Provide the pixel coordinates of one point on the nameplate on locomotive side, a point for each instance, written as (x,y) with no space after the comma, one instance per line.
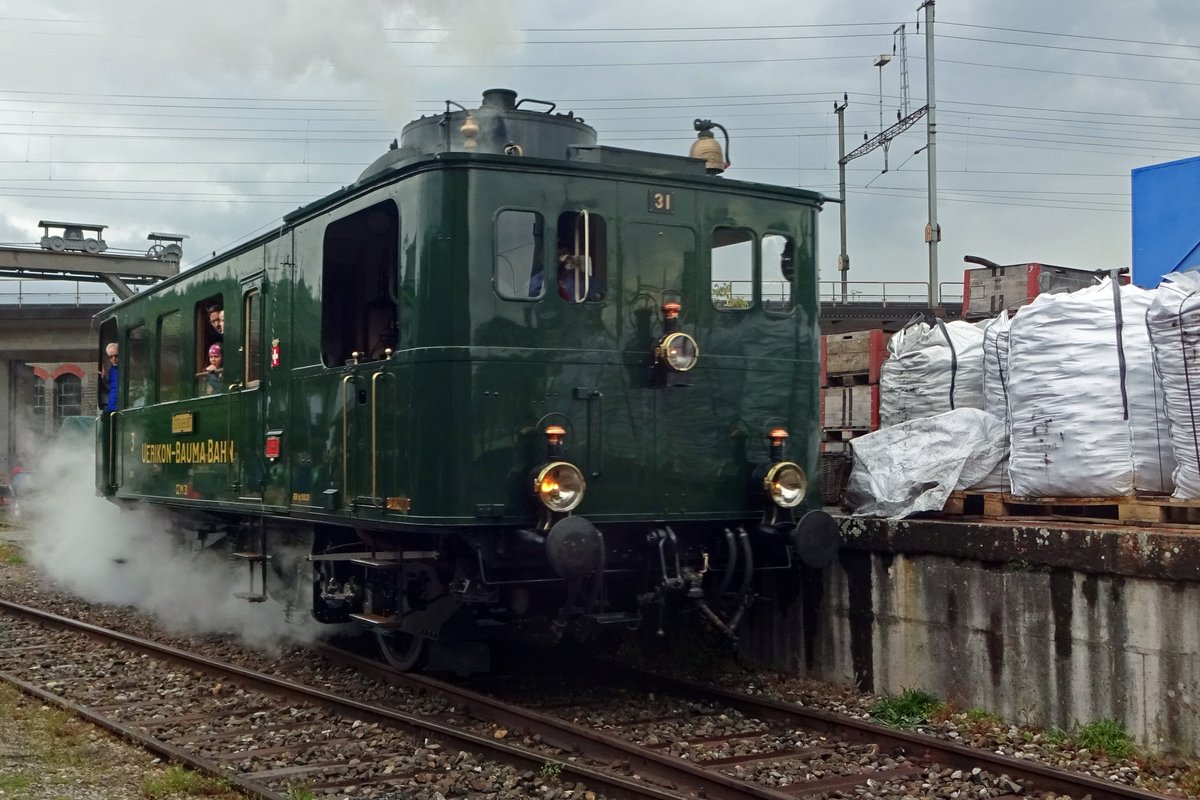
(183,423)
(660,202)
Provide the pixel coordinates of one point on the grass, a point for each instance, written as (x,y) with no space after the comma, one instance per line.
(300,793)
(177,781)
(15,783)
(11,554)
(1105,736)
(906,710)
(551,771)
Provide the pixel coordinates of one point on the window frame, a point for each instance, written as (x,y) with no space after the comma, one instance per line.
(539,244)
(792,283)
(252,356)
(754,280)
(160,388)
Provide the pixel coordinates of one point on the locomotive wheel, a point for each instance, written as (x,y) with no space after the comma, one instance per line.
(403,651)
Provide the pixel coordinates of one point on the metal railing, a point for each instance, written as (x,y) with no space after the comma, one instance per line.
(886,292)
(40,292)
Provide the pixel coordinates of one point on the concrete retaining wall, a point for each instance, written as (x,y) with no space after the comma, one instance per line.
(1072,625)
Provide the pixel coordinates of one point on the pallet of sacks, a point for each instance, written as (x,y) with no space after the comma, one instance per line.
(1101,388)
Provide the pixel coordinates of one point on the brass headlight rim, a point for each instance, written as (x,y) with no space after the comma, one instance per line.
(541,473)
(660,352)
(769,481)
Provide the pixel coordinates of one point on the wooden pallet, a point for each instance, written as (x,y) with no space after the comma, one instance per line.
(842,434)
(1136,509)
(848,379)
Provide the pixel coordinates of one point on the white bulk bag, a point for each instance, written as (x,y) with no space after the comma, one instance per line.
(931,369)
(995,392)
(913,466)
(1084,398)
(1174,323)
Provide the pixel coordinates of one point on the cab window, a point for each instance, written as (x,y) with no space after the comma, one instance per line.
(520,262)
(582,255)
(252,336)
(170,357)
(732,283)
(136,355)
(210,328)
(778,253)
(360,272)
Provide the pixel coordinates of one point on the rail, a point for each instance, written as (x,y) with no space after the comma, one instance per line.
(739,294)
(888,292)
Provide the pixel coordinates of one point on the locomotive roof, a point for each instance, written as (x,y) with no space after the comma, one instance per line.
(666,169)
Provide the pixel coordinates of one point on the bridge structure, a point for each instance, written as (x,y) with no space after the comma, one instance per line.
(890,305)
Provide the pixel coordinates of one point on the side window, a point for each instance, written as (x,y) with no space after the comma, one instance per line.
(170,357)
(109,359)
(360,273)
(778,271)
(582,255)
(210,333)
(732,284)
(520,262)
(252,335)
(39,403)
(68,398)
(136,355)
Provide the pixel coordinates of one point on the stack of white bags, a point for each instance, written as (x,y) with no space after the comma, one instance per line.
(1098,390)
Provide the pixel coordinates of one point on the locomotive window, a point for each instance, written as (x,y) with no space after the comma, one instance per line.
(135,371)
(778,271)
(732,283)
(252,333)
(170,356)
(582,255)
(210,329)
(360,270)
(520,265)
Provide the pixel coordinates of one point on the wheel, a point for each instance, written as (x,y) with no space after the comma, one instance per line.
(155,251)
(403,651)
(58,244)
(91,246)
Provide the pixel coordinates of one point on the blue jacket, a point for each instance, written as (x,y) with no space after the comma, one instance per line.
(112,389)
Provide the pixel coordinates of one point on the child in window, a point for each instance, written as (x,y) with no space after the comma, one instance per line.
(214,370)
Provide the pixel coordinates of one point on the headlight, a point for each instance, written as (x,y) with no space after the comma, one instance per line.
(785,484)
(678,351)
(559,485)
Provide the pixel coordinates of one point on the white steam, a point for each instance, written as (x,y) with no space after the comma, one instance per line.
(104,554)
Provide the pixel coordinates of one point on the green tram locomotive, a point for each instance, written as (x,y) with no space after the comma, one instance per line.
(508,378)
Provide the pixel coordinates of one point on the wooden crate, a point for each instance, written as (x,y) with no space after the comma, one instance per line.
(854,406)
(856,353)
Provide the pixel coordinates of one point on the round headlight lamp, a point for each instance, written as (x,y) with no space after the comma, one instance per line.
(678,351)
(559,485)
(786,484)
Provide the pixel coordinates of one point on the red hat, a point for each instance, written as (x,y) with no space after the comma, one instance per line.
(215,350)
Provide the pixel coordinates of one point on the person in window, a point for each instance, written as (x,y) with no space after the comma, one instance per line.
(108,380)
(214,371)
(216,319)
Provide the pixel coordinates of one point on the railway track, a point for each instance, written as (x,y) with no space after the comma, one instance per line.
(636,736)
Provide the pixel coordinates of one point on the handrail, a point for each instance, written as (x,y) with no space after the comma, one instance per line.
(346,442)
(52,295)
(374,432)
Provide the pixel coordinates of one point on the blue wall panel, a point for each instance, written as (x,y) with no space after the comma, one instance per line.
(1166,220)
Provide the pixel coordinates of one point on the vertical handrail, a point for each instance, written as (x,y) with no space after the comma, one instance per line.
(346,441)
(374,432)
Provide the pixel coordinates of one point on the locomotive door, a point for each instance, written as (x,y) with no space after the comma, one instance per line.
(247,397)
(659,266)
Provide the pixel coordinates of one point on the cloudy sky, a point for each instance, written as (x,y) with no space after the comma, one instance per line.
(214,119)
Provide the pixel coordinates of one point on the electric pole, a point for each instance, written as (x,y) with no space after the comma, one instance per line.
(843,256)
(933,231)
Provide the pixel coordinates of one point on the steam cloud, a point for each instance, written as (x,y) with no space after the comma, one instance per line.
(104,554)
